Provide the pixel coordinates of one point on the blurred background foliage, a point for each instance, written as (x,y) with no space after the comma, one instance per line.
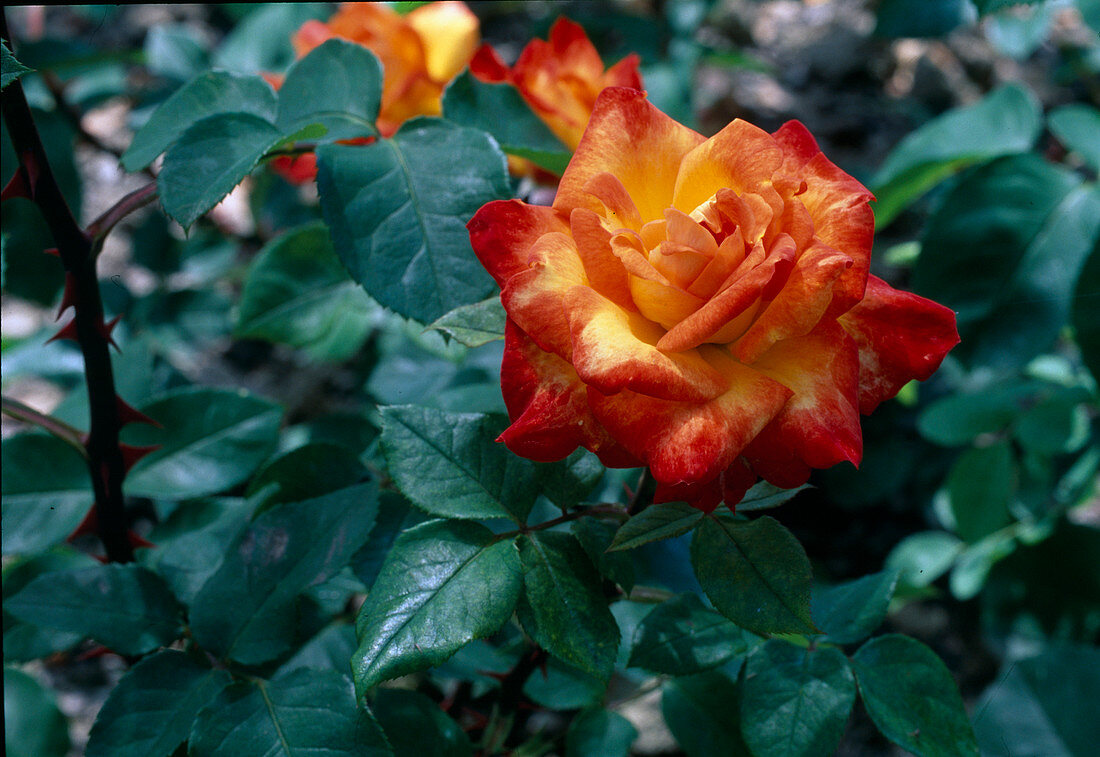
(976,124)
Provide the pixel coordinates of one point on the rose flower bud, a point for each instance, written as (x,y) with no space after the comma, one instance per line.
(559,79)
(699,306)
(420,52)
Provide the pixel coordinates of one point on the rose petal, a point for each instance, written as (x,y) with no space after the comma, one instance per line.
(741,157)
(632,140)
(820,424)
(624,73)
(487,66)
(613,350)
(730,486)
(534,298)
(546,401)
(619,209)
(797,141)
(692,442)
(798,305)
(901,336)
(604,269)
(726,306)
(450,32)
(503,232)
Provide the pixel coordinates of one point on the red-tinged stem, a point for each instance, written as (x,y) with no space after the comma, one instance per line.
(63,431)
(643,497)
(101,227)
(75,248)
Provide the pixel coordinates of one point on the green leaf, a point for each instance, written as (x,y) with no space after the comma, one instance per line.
(338,85)
(995,220)
(1033,307)
(442,585)
(922,558)
(595,537)
(126,608)
(795,701)
(328,650)
(568,482)
(974,563)
(656,522)
(10,68)
(298,293)
(398,210)
(175,51)
(702,711)
(1042,705)
(597,732)
(980,488)
(910,696)
(206,95)
(473,325)
(990,6)
(1006,121)
(450,464)
(1086,325)
(500,110)
(961,418)
(755,573)
(192,542)
(246,610)
(563,687)
(47,489)
(305,472)
(922,18)
(1056,423)
(417,727)
(25,641)
(261,41)
(851,611)
(682,636)
(567,607)
(763,496)
(301,714)
(151,710)
(212,440)
(209,160)
(33,726)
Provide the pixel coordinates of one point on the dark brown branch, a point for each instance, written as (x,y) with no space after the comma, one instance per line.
(75,248)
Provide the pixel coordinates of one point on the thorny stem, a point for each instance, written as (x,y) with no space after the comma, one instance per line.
(613,510)
(75,248)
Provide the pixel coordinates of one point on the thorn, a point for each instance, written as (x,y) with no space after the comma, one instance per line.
(87,526)
(97,651)
(17,187)
(492,674)
(52,251)
(108,328)
(127,414)
(30,165)
(68,298)
(137,541)
(68,331)
(131,454)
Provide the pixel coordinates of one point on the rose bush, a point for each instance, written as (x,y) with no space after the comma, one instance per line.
(700,306)
(559,78)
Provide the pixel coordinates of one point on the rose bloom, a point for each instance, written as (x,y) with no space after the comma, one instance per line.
(560,78)
(420,52)
(699,306)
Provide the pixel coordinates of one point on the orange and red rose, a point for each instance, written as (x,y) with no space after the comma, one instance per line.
(420,52)
(700,306)
(559,79)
